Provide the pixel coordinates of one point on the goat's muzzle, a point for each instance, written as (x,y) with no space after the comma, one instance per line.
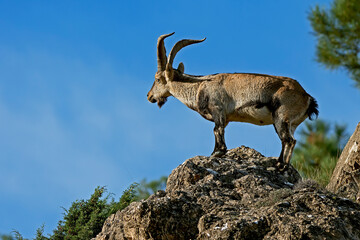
(151,98)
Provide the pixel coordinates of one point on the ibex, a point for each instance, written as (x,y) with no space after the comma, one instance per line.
(241,97)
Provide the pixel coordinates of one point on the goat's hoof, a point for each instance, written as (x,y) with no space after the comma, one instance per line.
(218,153)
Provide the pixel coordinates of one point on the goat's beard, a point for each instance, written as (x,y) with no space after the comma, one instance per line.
(161,101)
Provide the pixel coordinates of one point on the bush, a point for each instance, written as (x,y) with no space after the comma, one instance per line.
(85,218)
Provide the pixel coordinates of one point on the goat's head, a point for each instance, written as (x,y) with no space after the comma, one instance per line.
(160,91)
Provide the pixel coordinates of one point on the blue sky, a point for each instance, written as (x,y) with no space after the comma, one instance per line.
(73,82)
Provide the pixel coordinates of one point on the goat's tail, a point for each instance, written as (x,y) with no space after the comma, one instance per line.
(313,108)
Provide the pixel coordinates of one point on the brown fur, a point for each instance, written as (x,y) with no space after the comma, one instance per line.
(242,97)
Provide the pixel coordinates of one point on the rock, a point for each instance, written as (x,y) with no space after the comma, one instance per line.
(238,196)
(345,180)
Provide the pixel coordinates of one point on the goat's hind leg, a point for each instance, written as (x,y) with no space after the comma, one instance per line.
(284,131)
(219,132)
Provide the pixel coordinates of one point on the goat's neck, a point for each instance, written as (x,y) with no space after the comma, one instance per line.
(185,87)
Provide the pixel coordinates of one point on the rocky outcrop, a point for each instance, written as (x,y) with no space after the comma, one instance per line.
(238,196)
(345,180)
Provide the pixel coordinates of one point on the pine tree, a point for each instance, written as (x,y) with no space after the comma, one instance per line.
(338,33)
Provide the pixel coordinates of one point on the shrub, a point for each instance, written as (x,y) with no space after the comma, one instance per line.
(85,218)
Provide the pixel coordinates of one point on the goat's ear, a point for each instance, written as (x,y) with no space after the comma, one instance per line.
(181,67)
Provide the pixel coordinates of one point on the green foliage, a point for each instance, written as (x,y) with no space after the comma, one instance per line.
(39,234)
(6,237)
(145,189)
(129,195)
(18,236)
(85,218)
(317,151)
(338,34)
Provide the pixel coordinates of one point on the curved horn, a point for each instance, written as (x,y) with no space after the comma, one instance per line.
(161,52)
(179,45)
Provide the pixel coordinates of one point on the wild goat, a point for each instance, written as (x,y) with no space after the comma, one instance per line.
(241,97)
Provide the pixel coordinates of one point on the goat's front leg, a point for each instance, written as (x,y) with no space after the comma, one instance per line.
(219,132)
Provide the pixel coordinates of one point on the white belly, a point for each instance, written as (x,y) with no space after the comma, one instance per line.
(258,116)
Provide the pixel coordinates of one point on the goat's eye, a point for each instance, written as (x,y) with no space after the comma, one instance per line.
(158,79)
